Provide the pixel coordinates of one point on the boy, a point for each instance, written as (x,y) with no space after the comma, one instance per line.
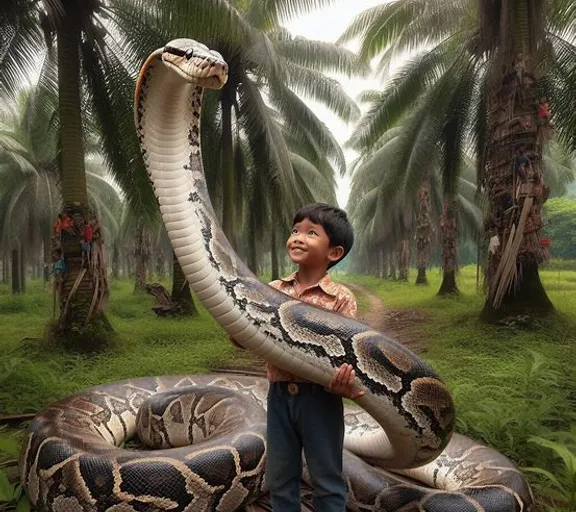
(303,415)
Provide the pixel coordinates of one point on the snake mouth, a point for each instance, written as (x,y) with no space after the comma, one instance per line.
(197,65)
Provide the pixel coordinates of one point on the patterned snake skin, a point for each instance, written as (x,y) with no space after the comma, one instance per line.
(404,422)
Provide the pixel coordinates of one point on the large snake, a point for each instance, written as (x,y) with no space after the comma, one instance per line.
(405,418)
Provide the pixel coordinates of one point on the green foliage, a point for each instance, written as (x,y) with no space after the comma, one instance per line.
(560,481)
(34,373)
(12,495)
(561,228)
(560,265)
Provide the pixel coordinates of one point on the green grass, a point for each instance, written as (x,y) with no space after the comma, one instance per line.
(510,383)
(32,375)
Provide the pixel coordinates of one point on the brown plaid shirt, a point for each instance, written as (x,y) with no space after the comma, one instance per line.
(326,294)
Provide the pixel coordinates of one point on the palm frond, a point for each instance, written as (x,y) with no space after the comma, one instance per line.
(321,56)
(401,93)
(111,90)
(323,89)
(20,43)
(298,116)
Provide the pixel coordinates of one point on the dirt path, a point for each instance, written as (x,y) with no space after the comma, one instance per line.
(402,325)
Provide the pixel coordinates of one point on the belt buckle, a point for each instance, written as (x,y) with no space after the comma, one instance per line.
(293,388)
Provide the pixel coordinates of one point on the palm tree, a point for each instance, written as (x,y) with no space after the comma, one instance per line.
(400,170)
(268,71)
(313,180)
(85,66)
(477,69)
(30,184)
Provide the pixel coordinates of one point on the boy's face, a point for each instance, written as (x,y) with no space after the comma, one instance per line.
(309,245)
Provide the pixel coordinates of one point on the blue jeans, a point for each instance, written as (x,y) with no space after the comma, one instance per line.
(309,418)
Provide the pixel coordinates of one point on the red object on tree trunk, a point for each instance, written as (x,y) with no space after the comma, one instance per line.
(545,242)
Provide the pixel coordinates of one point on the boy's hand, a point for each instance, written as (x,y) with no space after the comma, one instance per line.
(344,381)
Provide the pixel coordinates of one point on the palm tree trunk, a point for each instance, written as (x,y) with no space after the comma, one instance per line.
(84,288)
(5,271)
(449,228)
(46,246)
(514,186)
(160,265)
(16,274)
(115,262)
(22,269)
(391,266)
(404,260)
(228,178)
(181,294)
(274,256)
(423,233)
(141,255)
(383,263)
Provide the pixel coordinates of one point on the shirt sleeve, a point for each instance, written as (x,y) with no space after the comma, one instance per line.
(346,304)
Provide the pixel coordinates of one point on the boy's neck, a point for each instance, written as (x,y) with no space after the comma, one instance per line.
(310,276)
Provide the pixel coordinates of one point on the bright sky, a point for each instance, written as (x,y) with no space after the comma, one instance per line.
(328,25)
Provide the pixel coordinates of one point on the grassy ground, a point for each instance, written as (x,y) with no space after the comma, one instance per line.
(510,383)
(32,375)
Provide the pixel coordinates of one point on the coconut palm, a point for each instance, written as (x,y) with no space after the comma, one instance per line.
(30,184)
(98,41)
(402,170)
(313,181)
(91,83)
(267,68)
(477,70)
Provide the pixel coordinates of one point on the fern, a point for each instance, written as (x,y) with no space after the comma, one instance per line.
(561,485)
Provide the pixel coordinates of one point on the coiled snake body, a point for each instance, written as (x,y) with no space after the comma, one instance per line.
(72,460)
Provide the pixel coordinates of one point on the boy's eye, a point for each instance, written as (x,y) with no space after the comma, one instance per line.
(294,231)
(312,232)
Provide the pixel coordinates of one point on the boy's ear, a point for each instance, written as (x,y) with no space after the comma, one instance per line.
(335,253)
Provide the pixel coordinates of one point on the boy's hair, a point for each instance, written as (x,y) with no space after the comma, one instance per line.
(334,221)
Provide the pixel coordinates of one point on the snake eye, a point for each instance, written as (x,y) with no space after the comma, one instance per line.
(189,54)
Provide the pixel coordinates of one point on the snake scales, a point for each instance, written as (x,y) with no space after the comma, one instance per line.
(73,459)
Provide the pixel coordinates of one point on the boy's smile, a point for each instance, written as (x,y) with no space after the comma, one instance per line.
(309,245)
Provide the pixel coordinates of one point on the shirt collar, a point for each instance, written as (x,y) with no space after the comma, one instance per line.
(326,284)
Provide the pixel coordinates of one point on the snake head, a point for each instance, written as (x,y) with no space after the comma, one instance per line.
(197,64)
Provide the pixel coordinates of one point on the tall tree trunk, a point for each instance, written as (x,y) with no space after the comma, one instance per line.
(22,268)
(160,265)
(513,180)
(5,271)
(16,274)
(404,260)
(115,261)
(83,287)
(46,247)
(423,233)
(449,228)
(274,256)
(141,256)
(181,294)
(252,242)
(383,257)
(228,177)
(391,266)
